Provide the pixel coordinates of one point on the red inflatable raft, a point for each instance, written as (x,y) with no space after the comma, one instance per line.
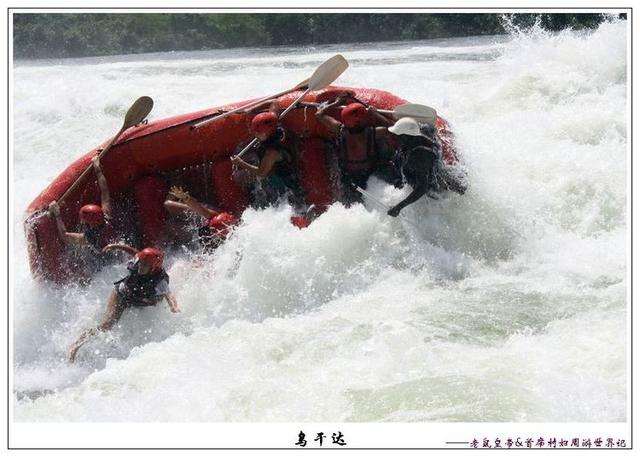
(148,158)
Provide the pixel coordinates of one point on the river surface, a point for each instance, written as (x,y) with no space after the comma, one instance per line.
(506,304)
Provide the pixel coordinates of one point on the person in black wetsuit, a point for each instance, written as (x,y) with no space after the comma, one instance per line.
(96,230)
(417,159)
(146,284)
(276,162)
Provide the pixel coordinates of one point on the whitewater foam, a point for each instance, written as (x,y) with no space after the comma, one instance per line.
(505,304)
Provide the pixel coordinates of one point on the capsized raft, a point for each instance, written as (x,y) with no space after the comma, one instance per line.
(149,157)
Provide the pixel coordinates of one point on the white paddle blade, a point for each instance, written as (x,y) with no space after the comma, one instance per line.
(422,113)
(328,72)
(138,111)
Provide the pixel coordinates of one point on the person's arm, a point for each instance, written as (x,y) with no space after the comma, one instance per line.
(384,120)
(417,192)
(173,206)
(270,158)
(105,196)
(120,247)
(328,121)
(66,237)
(268,161)
(237,161)
(421,167)
(189,202)
(173,303)
(199,208)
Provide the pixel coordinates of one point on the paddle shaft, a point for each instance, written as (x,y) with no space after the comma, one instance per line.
(88,169)
(324,75)
(282,115)
(136,113)
(246,148)
(249,105)
(386,112)
(381,111)
(294,104)
(371,197)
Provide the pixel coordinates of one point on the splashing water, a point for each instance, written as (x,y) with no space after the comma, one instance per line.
(506,304)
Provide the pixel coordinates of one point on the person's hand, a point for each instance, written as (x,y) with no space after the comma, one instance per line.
(175,310)
(179,193)
(321,106)
(95,161)
(394,212)
(236,160)
(54,208)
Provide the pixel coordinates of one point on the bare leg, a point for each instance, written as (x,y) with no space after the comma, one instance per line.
(113,313)
(111,316)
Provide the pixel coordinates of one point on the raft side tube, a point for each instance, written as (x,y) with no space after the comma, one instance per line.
(150,193)
(48,257)
(167,146)
(226,192)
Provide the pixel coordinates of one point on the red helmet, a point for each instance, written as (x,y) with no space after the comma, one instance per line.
(221,224)
(152,256)
(299,221)
(354,115)
(92,215)
(265,123)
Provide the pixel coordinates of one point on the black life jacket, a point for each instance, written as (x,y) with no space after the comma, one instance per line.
(141,288)
(352,161)
(420,146)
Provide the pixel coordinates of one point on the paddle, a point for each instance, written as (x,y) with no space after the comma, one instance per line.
(425,114)
(300,85)
(324,75)
(136,114)
(422,113)
(385,206)
(325,68)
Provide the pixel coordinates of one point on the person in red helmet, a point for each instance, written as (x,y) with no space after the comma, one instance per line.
(219,223)
(95,221)
(146,284)
(362,147)
(275,162)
